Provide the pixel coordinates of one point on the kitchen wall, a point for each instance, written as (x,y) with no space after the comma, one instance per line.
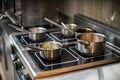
(35,10)
(107,11)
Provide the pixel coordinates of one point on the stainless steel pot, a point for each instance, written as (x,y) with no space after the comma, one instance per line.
(37,33)
(82,30)
(91,44)
(70,27)
(50,50)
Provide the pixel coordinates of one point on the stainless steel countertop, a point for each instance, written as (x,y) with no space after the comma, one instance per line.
(107,72)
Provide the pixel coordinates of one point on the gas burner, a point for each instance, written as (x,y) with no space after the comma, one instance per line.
(66,59)
(59,37)
(24,39)
(107,54)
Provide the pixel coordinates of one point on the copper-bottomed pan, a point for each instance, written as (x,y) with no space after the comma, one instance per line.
(91,44)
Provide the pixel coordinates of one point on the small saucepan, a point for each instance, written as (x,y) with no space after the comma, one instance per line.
(35,34)
(49,50)
(91,44)
(73,29)
(70,27)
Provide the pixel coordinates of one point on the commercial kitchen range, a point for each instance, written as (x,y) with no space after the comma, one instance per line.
(30,66)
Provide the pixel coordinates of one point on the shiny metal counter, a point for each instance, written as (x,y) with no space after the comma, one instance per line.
(107,72)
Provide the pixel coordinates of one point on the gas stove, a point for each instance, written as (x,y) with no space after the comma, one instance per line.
(70,60)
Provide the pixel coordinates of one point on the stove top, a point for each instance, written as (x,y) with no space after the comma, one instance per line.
(66,59)
(107,54)
(66,41)
(61,38)
(24,39)
(70,60)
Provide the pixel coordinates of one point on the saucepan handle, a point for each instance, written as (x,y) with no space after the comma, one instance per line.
(17,28)
(83,42)
(32,47)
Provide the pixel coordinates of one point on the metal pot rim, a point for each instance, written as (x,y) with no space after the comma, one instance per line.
(95,34)
(36,30)
(83,28)
(50,42)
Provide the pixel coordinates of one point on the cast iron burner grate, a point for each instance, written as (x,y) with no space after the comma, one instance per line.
(107,54)
(24,39)
(66,59)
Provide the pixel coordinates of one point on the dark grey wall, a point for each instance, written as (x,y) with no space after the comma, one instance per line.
(35,10)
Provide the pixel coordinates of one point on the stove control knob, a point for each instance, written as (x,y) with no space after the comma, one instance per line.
(25,77)
(14,57)
(18,65)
